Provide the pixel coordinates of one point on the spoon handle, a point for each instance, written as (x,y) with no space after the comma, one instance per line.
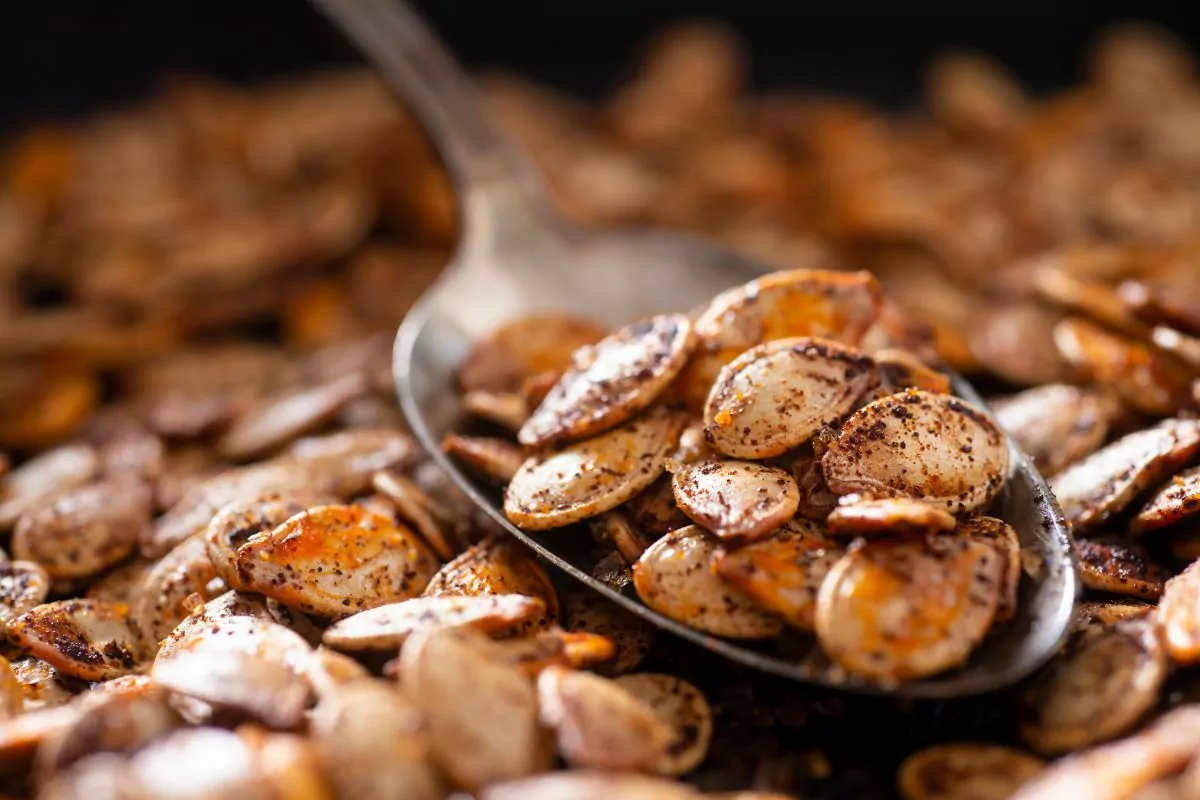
(409,57)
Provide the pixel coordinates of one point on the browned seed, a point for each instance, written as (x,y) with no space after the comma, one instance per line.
(84,531)
(275,420)
(161,602)
(654,509)
(893,610)
(631,637)
(387,627)
(1174,501)
(736,499)
(82,638)
(1107,612)
(416,507)
(23,585)
(611,381)
(616,528)
(495,458)
(896,516)
(1096,688)
(776,396)
(1179,615)
(468,691)
(684,708)
(497,566)
(506,409)
(1108,564)
(523,348)
(594,476)
(966,771)
(1056,424)
(599,724)
(260,688)
(784,572)
(900,369)
(1003,538)
(41,478)
(336,560)
(119,585)
(674,578)
(1106,482)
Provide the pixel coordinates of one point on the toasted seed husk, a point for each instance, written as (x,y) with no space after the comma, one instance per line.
(525,347)
(495,458)
(776,396)
(23,585)
(479,708)
(506,409)
(555,647)
(611,381)
(1107,612)
(933,447)
(1178,615)
(387,627)
(1106,482)
(1056,424)
(1096,688)
(817,303)
(82,638)
(275,420)
(1000,535)
(589,785)
(784,572)
(966,771)
(1118,770)
(1108,564)
(335,560)
(684,708)
(631,636)
(45,476)
(599,724)
(674,578)
(239,520)
(894,516)
(161,602)
(553,490)
(893,610)
(497,566)
(654,509)
(616,528)
(736,499)
(416,507)
(373,745)
(1176,500)
(84,531)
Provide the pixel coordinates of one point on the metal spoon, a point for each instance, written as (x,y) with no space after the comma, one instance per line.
(515,257)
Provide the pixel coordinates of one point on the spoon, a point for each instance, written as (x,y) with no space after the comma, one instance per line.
(515,257)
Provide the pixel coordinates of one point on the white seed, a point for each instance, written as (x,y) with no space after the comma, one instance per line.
(684,708)
(1178,499)
(1056,424)
(888,516)
(1179,615)
(387,627)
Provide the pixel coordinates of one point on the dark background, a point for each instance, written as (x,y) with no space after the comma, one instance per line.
(64,57)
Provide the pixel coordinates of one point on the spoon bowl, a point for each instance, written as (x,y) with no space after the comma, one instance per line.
(515,257)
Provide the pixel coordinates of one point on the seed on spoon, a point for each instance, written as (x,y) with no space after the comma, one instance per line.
(684,708)
(1001,536)
(736,499)
(508,410)
(776,396)
(893,610)
(387,627)
(1096,688)
(417,508)
(495,458)
(523,348)
(655,511)
(611,381)
(888,516)
(782,573)
(594,476)
(1109,565)
(674,578)
(557,648)
(1175,501)
(160,603)
(900,369)
(617,529)
(1106,482)
(933,447)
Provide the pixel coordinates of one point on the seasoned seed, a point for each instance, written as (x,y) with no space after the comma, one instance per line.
(616,528)
(611,381)
(630,635)
(336,560)
(1106,482)
(900,369)
(933,447)
(161,602)
(892,610)
(84,531)
(82,638)
(416,507)
(497,567)
(674,578)
(387,627)
(1106,612)
(896,516)
(506,409)
(23,585)
(684,708)
(42,477)
(784,572)
(1001,536)
(556,647)
(655,511)
(495,458)
(736,499)
(1056,424)
(1176,500)
(966,771)
(523,348)
(479,708)
(776,396)
(1096,688)
(260,688)
(599,724)
(1108,564)
(591,477)
(1178,615)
